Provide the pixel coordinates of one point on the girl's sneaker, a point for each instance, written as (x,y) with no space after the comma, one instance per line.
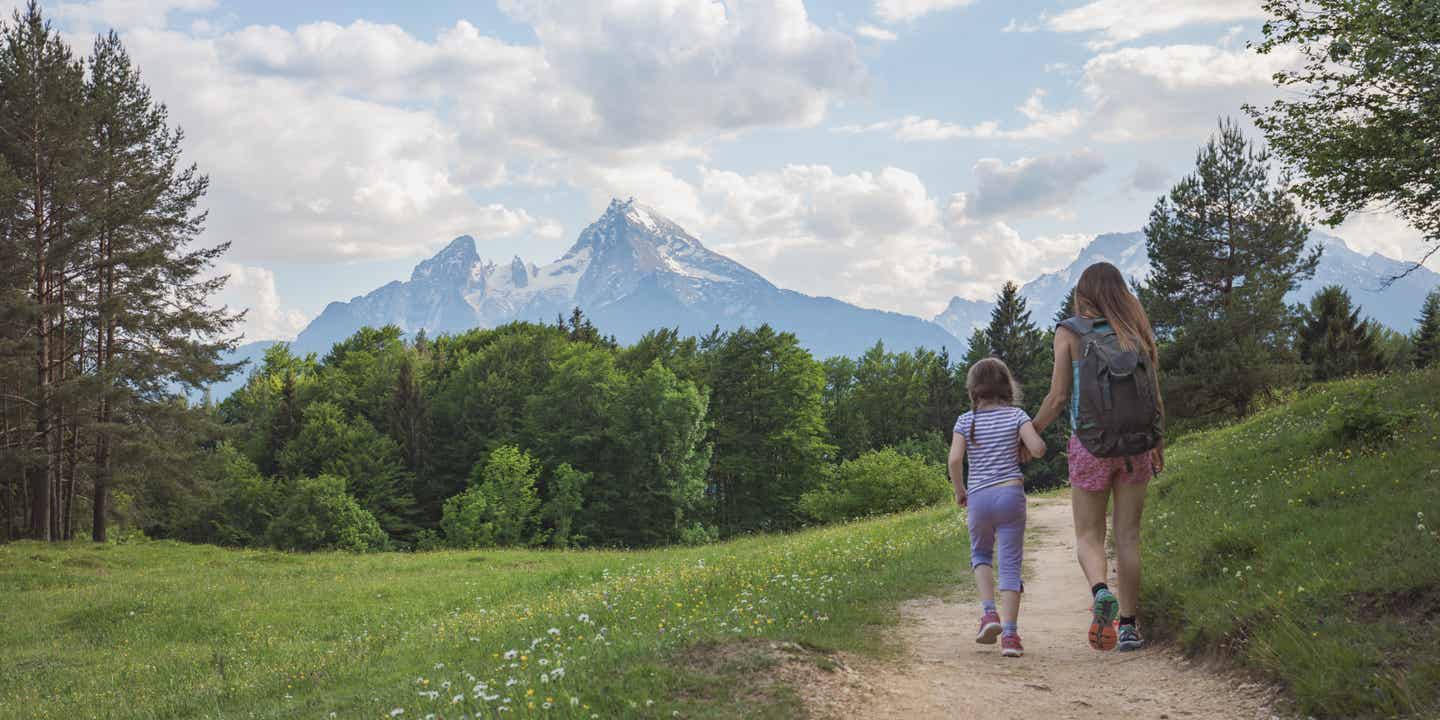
(989,629)
(1010,646)
(1129,639)
(1102,624)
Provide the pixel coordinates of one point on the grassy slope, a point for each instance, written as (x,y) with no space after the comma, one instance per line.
(1313,561)
(163,630)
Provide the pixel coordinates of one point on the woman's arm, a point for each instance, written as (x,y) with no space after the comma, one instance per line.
(1059,396)
(957,467)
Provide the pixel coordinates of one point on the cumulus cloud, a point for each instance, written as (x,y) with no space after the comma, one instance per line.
(1149,177)
(121,14)
(1044,124)
(1174,90)
(878,239)
(1031,186)
(875,33)
(895,11)
(252,289)
(1115,21)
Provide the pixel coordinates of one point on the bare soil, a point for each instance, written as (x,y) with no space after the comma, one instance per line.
(945,674)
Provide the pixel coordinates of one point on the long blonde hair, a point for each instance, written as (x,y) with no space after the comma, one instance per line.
(1102,292)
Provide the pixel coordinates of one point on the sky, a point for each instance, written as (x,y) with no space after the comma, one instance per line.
(890,153)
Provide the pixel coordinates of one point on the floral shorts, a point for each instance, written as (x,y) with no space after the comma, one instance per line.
(1097,474)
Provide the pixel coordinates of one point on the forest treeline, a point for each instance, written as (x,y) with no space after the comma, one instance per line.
(557,435)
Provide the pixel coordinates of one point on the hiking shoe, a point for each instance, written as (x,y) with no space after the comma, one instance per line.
(1129,639)
(1010,646)
(1102,624)
(989,629)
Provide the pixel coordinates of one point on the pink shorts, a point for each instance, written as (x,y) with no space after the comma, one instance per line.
(1097,474)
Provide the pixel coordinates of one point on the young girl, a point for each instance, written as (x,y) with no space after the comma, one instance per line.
(995,493)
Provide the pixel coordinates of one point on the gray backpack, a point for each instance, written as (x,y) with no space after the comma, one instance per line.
(1119,415)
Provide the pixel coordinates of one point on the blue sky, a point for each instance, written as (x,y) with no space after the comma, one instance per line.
(892,153)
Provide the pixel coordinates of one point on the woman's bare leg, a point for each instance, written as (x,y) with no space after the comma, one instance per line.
(1129,505)
(1089,508)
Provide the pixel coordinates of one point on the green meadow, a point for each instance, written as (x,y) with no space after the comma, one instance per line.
(1304,543)
(167,630)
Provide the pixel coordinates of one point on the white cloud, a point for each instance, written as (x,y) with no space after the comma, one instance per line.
(121,14)
(895,11)
(1116,21)
(1150,177)
(1174,90)
(252,289)
(1043,124)
(1015,26)
(1031,186)
(875,33)
(1385,233)
(877,239)
(658,70)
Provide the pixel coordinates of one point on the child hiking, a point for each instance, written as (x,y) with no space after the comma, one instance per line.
(995,493)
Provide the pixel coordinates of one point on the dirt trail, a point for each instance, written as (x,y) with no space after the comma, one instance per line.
(949,676)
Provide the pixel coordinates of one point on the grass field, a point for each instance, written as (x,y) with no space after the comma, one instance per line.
(1312,559)
(164,630)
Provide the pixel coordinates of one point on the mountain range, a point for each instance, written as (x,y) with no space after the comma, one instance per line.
(634,270)
(1364,276)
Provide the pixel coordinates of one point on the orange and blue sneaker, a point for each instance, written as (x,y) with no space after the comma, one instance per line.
(1010,646)
(989,628)
(1102,624)
(1129,638)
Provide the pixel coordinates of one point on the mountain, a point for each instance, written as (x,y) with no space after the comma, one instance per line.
(1362,275)
(631,271)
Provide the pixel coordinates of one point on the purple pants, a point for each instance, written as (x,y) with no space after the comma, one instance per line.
(997,526)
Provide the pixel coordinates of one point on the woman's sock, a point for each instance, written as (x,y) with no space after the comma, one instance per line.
(1010,628)
(987,606)
(1097,587)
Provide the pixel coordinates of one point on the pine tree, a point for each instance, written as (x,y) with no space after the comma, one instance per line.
(1427,336)
(154,323)
(1067,308)
(1333,339)
(1226,244)
(977,349)
(42,130)
(1016,340)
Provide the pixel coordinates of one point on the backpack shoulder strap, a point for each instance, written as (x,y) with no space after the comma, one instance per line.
(1081,326)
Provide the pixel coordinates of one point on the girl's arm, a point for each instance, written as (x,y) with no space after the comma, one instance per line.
(1059,395)
(1030,438)
(957,467)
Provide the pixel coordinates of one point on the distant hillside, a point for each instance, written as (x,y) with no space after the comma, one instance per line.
(1363,275)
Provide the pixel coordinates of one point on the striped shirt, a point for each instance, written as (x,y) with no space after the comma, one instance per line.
(992,439)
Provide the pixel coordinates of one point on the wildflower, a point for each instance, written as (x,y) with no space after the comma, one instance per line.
(397,712)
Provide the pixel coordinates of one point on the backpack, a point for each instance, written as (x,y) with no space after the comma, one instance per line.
(1118,413)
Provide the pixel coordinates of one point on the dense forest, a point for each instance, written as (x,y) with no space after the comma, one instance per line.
(554,434)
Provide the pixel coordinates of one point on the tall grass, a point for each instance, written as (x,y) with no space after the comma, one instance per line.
(164,630)
(1303,542)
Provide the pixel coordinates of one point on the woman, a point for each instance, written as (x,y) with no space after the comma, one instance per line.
(1103,298)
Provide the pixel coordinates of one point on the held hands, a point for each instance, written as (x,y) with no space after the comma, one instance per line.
(1024,454)
(962,499)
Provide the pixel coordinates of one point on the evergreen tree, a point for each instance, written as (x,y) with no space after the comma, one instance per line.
(1427,336)
(1333,339)
(768,428)
(42,131)
(976,350)
(843,418)
(155,324)
(1226,245)
(1067,308)
(1012,337)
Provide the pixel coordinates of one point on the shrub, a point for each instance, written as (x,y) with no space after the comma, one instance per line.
(1368,423)
(248,502)
(501,505)
(320,515)
(878,482)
